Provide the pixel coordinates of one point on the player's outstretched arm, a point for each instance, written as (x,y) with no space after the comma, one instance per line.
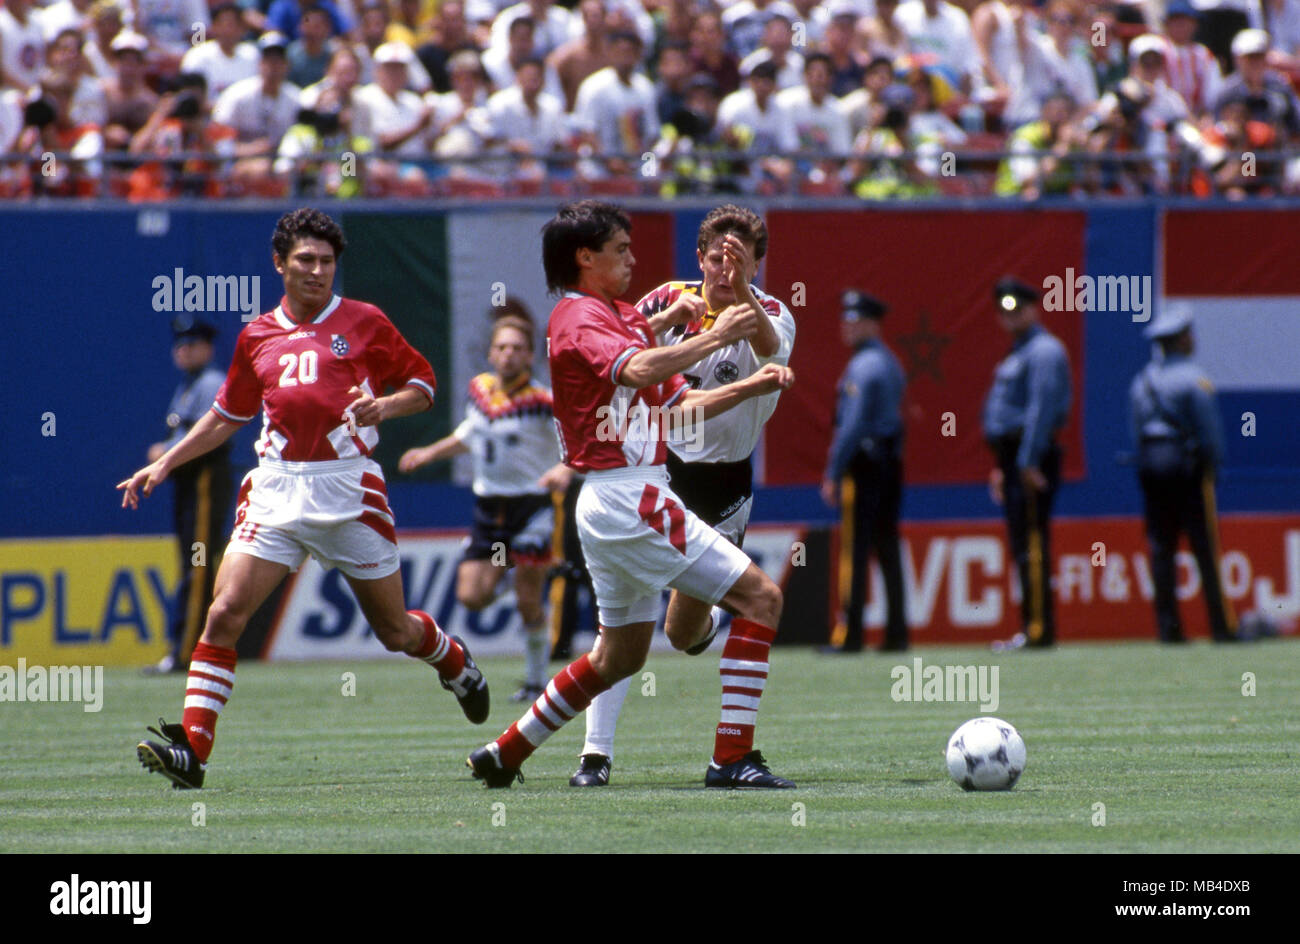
(204,436)
(684,310)
(444,448)
(709,403)
(655,365)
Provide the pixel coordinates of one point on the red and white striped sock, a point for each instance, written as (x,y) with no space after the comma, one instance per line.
(566,695)
(744,669)
(438,649)
(212,675)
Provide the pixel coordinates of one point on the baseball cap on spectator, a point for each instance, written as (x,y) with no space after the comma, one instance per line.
(1250,42)
(760,56)
(1181,8)
(128,41)
(898,96)
(1147,42)
(272,40)
(838,8)
(394,52)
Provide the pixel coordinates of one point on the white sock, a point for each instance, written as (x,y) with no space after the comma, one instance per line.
(602,719)
(537,646)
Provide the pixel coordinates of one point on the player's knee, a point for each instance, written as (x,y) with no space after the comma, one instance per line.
(767,602)
(473,598)
(226,619)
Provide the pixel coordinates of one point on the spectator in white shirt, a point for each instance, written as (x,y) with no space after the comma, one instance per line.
(170,25)
(1283,24)
(820,125)
(22,45)
(526,121)
(778,49)
(1055,62)
(552,25)
(105,24)
(755,109)
(1191,68)
(400,120)
(615,110)
(857,104)
(223,59)
(260,109)
(941,30)
(87,105)
(745,21)
(65,14)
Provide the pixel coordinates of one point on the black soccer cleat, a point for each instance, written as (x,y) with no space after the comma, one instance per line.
(176,760)
(592,772)
(486,764)
(472,691)
(703,644)
(750,772)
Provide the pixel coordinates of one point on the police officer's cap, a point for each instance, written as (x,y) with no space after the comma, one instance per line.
(186,327)
(1011,294)
(858,305)
(1171,322)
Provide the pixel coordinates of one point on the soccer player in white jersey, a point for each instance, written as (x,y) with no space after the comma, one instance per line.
(317,367)
(510,431)
(617,395)
(711,471)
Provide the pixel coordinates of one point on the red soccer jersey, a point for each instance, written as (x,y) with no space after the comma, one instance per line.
(602,424)
(299,375)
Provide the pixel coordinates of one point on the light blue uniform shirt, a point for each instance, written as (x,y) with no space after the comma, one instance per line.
(868,407)
(1187,398)
(191,400)
(1030,395)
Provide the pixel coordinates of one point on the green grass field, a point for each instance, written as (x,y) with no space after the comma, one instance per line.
(1164,738)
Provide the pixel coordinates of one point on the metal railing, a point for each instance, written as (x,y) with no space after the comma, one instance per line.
(962,171)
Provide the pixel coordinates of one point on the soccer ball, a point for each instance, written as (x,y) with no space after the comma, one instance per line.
(986,754)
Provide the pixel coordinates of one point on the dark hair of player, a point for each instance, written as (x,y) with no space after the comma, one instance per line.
(306,223)
(587,224)
(746,224)
(515,322)
(512,307)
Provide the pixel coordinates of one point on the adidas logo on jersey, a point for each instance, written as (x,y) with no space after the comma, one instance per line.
(301,334)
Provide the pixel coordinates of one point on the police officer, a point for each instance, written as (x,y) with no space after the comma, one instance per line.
(1026,408)
(864,472)
(202,489)
(1179,449)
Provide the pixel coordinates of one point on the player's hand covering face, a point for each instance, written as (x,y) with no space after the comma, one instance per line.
(727,266)
(308,276)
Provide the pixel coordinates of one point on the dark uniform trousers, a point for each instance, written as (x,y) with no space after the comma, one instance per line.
(871,497)
(1029,517)
(1182,501)
(570,575)
(203,491)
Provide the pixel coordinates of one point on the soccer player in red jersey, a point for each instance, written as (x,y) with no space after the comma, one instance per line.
(317,367)
(615,395)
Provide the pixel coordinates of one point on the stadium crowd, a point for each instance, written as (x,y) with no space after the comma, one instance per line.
(154,99)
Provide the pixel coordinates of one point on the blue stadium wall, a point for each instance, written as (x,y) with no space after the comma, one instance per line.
(89,372)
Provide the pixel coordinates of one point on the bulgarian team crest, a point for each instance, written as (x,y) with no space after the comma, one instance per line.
(339,345)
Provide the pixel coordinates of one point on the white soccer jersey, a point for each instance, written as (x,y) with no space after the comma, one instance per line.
(511,434)
(729,436)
